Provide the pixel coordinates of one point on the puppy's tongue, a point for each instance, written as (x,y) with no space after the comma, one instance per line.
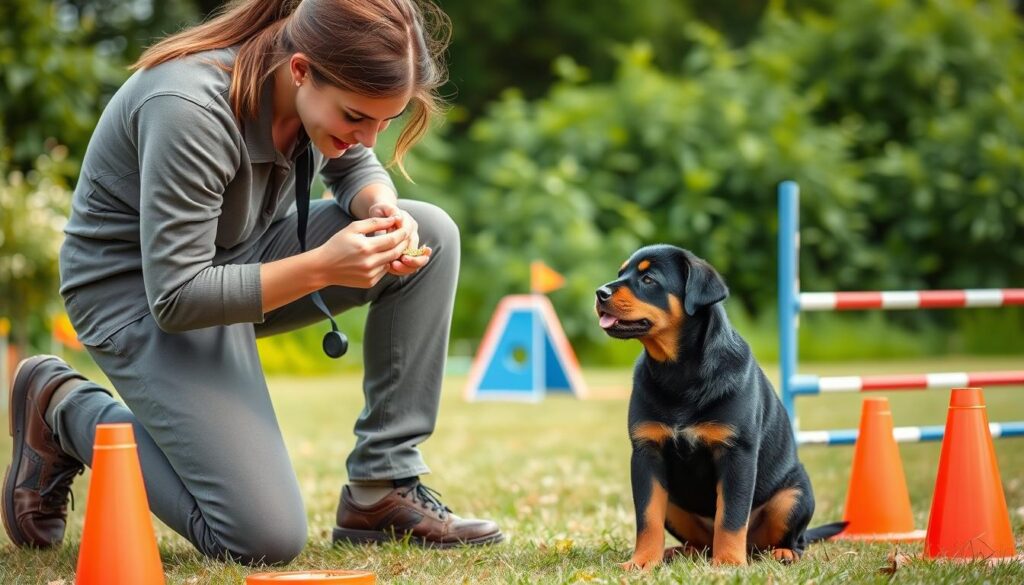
(607,320)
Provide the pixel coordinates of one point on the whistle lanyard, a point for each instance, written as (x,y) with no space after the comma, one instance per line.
(335,343)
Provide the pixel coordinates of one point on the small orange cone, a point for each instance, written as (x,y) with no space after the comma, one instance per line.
(118,543)
(969,519)
(877,503)
(328,577)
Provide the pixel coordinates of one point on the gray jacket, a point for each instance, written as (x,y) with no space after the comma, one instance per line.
(173,195)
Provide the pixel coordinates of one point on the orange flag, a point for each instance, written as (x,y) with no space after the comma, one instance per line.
(543,279)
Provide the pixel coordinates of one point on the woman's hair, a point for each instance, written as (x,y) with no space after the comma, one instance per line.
(374,48)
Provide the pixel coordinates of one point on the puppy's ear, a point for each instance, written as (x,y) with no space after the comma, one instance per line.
(704,286)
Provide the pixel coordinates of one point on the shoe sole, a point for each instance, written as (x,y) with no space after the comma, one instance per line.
(352,536)
(16,422)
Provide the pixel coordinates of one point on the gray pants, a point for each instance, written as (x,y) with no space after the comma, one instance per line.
(214,462)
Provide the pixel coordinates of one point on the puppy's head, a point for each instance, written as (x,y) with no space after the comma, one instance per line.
(657,288)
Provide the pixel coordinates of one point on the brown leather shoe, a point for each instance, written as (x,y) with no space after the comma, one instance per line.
(38,481)
(413,511)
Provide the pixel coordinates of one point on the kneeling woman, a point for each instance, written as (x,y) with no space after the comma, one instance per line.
(182,249)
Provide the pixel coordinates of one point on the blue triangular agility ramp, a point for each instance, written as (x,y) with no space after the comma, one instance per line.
(524,354)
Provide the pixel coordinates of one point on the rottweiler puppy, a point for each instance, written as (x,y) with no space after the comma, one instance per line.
(714,458)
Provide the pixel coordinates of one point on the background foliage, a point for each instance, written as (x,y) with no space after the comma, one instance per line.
(901,121)
(581,131)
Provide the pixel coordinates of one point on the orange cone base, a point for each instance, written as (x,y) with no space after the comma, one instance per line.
(328,577)
(968,560)
(912,536)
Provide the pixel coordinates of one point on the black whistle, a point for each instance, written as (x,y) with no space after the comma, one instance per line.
(335,344)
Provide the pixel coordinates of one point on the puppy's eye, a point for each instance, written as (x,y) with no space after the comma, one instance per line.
(646,279)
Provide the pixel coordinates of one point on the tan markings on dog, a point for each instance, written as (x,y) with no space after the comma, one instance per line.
(770,521)
(650,542)
(627,305)
(689,528)
(730,547)
(710,433)
(644,265)
(662,342)
(654,432)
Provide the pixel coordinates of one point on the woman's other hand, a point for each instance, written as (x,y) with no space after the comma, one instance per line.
(405,264)
(354,257)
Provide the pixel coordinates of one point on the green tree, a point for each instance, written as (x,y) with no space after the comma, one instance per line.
(33,211)
(52,85)
(903,123)
(583,177)
(122,30)
(930,95)
(511,43)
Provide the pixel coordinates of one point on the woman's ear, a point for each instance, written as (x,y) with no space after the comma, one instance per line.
(704,286)
(298,65)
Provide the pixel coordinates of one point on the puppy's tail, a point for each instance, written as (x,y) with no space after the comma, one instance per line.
(825,531)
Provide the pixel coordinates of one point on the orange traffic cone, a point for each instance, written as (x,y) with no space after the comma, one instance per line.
(118,543)
(877,503)
(969,519)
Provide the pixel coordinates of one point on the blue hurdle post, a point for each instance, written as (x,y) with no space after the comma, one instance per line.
(792,301)
(789,198)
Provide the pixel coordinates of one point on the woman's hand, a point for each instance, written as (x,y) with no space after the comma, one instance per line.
(405,264)
(354,257)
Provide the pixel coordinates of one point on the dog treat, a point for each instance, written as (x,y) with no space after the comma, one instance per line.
(415,251)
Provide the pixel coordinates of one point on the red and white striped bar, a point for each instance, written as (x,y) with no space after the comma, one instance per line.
(804,384)
(911,299)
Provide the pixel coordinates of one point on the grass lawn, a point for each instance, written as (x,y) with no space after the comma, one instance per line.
(555,476)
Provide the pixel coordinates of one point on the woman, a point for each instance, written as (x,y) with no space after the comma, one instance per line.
(181,250)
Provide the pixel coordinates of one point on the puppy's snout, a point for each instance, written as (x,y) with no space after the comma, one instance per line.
(604,293)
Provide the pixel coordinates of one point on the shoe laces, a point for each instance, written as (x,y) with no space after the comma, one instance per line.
(56,493)
(428,498)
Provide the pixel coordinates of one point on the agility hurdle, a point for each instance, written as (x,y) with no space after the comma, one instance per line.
(792,301)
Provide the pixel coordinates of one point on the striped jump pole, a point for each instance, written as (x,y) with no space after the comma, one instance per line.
(792,301)
(911,299)
(805,384)
(902,434)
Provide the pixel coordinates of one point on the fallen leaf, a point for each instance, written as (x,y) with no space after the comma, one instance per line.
(583,576)
(895,562)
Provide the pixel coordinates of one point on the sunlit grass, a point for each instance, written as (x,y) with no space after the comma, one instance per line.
(555,475)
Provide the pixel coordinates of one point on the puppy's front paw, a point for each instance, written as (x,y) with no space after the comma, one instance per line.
(785,556)
(686,550)
(641,563)
(729,560)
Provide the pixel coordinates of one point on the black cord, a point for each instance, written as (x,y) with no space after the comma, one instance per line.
(335,343)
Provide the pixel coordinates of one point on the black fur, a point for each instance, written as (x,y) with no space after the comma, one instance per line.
(709,379)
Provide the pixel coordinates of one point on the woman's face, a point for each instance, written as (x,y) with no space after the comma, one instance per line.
(336,119)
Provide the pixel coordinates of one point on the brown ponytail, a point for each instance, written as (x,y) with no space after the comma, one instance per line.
(375,48)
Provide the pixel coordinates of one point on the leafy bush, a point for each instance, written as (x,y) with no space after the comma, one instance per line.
(33,211)
(930,96)
(585,176)
(52,86)
(902,122)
